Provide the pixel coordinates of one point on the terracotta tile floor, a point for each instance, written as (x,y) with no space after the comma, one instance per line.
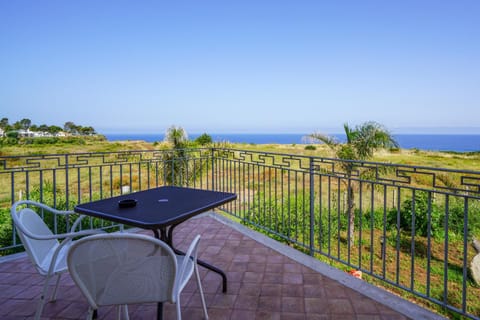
(263,284)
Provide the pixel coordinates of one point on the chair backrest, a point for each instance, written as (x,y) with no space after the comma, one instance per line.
(115,269)
(29,225)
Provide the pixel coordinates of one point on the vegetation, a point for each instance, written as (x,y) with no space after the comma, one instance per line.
(361,143)
(50,133)
(204,139)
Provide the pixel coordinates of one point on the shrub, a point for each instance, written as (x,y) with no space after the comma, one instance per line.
(9,141)
(310,147)
(418,207)
(204,139)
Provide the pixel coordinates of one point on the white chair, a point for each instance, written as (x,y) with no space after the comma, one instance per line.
(43,247)
(121,269)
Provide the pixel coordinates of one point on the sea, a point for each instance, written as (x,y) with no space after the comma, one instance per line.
(428,142)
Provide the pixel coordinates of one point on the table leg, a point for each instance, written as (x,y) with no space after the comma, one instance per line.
(216,270)
(160,234)
(160,311)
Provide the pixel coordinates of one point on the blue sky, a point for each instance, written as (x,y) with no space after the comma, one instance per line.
(242,66)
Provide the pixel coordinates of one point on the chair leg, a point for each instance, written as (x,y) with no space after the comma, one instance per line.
(90,313)
(41,302)
(119,312)
(125,312)
(179,312)
(54,294)
(122,312)
(199,284)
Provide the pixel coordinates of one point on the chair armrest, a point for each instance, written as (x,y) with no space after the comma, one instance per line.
(44,206)
(77,223)
(191,254)
(72,234)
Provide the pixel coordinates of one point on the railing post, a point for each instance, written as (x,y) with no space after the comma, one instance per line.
(312,208)
(213,168)
(66,184)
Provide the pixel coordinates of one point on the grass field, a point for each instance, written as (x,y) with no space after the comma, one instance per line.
(452,160)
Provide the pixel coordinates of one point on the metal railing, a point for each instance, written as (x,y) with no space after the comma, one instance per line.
(408,228)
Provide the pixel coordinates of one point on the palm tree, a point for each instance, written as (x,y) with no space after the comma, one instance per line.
(175,161)
(176,136)
(361,143)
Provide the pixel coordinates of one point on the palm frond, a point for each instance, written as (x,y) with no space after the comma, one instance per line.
(328,140)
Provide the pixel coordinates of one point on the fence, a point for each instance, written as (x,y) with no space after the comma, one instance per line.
(408,228)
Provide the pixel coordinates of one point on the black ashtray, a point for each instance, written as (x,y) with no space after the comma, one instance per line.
(127,203)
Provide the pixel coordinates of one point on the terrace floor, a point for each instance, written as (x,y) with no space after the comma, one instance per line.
(263,284)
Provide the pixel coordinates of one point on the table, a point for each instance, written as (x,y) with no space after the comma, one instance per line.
(160,210)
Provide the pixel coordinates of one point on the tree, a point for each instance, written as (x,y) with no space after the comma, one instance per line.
(25,124)
(17,125)
(70,127)
(177,136)
(43,128)
(87,131)
(175,161)
(4,123)
(204,139)
(361,143)
(53,129)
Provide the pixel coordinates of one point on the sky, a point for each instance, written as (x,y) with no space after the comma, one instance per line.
(250,66)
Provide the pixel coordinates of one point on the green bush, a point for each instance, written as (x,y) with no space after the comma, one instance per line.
(310,147)
(6,232)
(12,134)
(420,207)
(204,139)
(417,209)
(9,141)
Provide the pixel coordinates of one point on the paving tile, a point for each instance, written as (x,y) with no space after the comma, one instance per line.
(269,277)
(221,300)
(316,305)
(249,289)
(313,291)
(270,303)
(254,277)
(271,289)
(246,302)
(292,290)
(292,278)
(293,304)
(364,306)
(293,316)
(267,315)
(340,306)
(274,268)
(238,314)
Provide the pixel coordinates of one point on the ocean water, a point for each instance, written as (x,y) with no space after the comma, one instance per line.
(433,142)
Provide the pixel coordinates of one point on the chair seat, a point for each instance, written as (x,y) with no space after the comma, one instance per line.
(60,262)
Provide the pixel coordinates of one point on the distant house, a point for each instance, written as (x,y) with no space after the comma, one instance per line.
(25,133)
(33,134)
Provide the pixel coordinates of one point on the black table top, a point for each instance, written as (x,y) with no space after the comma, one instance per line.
(158,207)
